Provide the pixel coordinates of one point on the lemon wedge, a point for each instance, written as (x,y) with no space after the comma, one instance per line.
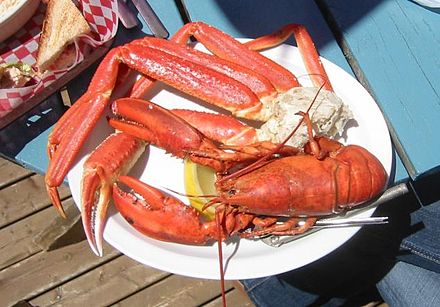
(199,180)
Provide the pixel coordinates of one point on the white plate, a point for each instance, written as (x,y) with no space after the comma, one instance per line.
(243,258)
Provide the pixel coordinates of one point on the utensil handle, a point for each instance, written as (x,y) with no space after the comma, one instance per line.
(126,16)
(350,222)
(391,193)
(151,19)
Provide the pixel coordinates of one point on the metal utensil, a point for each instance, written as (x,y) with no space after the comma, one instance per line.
(126,16)
(277,241)
(153,22)
(349,219)
(351,222)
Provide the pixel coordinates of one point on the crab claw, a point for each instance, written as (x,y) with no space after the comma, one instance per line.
(114,157)
(56,200)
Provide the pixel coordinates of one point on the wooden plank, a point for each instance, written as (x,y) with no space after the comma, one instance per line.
(250,18)
(228,16)
(17,240)
(25,197)
(46,270)
(233,298)
(394,46)
(11,172)
(176,291)
(60,232)
(102,286)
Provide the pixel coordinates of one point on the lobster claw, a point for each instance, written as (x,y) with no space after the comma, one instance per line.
(115,156)
(160,216)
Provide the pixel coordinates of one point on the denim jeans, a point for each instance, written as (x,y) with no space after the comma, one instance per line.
(401,260)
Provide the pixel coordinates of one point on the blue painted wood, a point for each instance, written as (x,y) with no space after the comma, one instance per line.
(238,18)
(396,45)
(24,140)
(257,17)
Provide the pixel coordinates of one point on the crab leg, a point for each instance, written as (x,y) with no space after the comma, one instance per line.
(115,156)
(76,124)
(228,48)
(306,48)
(192,78)
(225,48)
(258,83)
(141,87)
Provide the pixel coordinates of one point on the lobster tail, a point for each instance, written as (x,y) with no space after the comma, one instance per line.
(367,175)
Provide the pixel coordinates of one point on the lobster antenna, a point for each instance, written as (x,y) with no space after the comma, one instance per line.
(190,195)
(302,119)
(259,163)
(219,219)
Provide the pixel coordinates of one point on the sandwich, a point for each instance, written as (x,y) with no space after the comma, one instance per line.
(63,24)
(15,75)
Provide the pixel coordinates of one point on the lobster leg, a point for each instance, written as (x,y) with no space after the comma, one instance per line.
(290,227)
(115,156)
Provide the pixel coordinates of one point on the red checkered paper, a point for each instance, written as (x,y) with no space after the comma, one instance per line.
(22,47)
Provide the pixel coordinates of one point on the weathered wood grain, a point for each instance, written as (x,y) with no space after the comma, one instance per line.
(233,298)
(11,172)
(176,291)
(17,239)
(73,275)
(393,48)
(102,286)
(46,270)
(60,231)
(25,197)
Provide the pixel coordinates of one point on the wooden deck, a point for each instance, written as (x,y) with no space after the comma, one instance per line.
(34,272)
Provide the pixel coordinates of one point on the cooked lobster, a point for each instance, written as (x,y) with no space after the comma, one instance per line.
(326,178)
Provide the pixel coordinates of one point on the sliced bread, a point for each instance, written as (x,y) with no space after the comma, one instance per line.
(63,23)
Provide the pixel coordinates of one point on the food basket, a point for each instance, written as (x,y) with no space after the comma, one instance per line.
(23,45)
